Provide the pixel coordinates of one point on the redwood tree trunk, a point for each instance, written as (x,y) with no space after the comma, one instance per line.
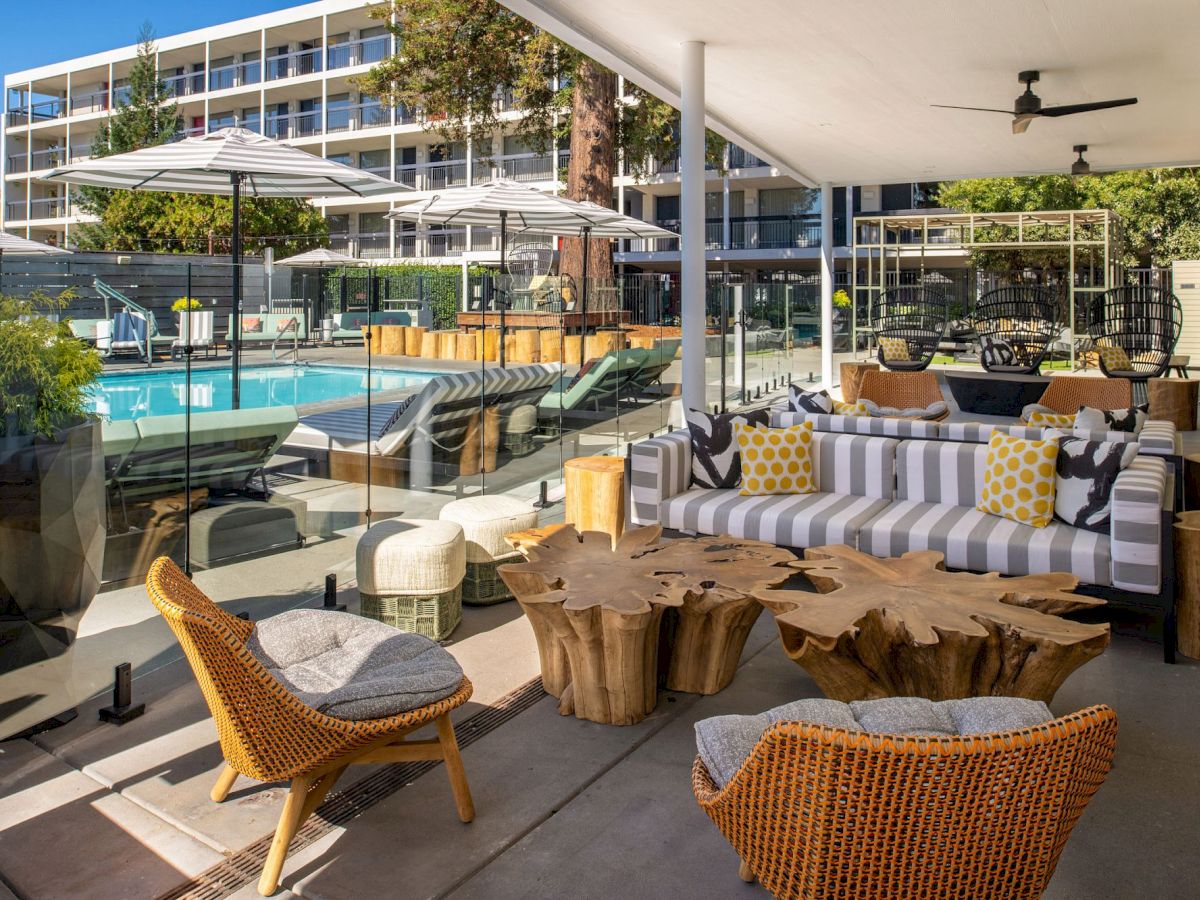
(593,162)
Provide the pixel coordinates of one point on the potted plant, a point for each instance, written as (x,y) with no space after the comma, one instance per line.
(188,316)
(52,503)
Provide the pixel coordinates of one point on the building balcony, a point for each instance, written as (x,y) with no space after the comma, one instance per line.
(294,64)
(365,51)
(185,84)
(747,233)
(94,102)
(355,117)
(235,75)
(38,112)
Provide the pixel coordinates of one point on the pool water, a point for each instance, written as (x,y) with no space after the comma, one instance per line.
(131,395)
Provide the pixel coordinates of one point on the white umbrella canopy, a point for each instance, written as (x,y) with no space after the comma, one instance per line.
(505,203)
(19,246)
(321,256)
(621,226)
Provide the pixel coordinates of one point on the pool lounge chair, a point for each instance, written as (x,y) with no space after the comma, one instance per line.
(130,334)
(658,359)
(348,326)
(437,431)
(595,392)
(202,334)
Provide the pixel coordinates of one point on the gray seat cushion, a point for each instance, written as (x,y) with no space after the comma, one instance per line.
(353,668)
(934,410)
(725,742)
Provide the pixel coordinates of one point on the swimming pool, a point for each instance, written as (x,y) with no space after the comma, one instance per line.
(131,395)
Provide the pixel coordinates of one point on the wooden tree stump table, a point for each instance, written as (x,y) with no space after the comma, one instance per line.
(596,611)
(907,627)
(1187,581)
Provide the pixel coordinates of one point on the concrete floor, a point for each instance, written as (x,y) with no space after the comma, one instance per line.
(565,807)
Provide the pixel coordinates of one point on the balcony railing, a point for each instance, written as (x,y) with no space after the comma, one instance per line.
(446,242)
(358,53)
(41,111)
(743,159)
(407,175)
(294,125)
(381,171)
(235,75)
(48,208)
(373,245)
(290,65)
(357,116)
(184,85)
(82,104)
(17,162)
(15,211)
(48,158)
(528,167)
(448,174)
(745,233)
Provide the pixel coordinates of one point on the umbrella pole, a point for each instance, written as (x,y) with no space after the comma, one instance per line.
(583,293)
(235,179)
(503,281)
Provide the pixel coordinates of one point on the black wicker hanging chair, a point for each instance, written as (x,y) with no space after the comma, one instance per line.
(910,321)
(1016,326)
(1134,330)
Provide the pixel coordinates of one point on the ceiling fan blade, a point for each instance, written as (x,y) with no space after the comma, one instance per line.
(1054,111)
(1007,112)
(1021,122)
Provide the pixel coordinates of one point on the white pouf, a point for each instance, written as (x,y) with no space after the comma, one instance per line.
(485,520)
(519,429)
(410,574)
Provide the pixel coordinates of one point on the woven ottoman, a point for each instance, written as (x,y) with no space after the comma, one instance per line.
(485,521)
(410,574)
(520,429)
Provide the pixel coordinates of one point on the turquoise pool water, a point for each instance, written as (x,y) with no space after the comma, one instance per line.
(131,395)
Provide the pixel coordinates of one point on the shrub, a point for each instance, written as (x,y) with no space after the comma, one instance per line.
(185,304)
(841,300)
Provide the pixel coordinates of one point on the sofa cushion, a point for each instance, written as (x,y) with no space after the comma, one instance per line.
(934,410)
(350,667)
(715,459)
(809,401)
(1018,479)
(850,409)
(1086,473)
(856,464)
(775,460)
(1115,359)
(995,352)
(789,520)
(940,471)
(980,542)
(885,427)
(724,743)
(1130,420)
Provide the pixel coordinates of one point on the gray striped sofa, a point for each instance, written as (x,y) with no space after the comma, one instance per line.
(887,495)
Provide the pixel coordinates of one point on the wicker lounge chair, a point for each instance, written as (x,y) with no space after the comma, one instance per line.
(903,391)
(817,811)
(912,319)
(269,734)
(1066,393)
(1020,320)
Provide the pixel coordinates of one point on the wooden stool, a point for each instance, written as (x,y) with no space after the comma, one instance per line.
(491,344)
(602,342)
(480,443)
(392,341)
(642,341)
(412,339)
(1187,582)
(468,346)
(527,344)
(550,349)
(852,375)
(447,344)
(595,501)
(429,345)
(1175,400)
(571,350)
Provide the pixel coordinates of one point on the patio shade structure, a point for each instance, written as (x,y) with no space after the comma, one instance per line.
(19,246)
(231,161)
(318,259)
(503,203)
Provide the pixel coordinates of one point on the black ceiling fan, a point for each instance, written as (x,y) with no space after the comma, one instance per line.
(1028,106)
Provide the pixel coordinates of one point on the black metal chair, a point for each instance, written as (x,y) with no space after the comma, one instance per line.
(1143,323)
(1016,326)
(911,319)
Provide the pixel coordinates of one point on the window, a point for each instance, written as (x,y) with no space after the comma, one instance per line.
(338,112)
(796,201)
(666,209)
(251,68)
(220,76)
(346,159)
(372,223)
(338,223)
(897,196)
(375,160)
(220,120)
(251,119)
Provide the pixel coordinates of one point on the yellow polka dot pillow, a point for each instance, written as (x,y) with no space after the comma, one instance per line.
(776,460)
(1115,359)
(894,349)
(850,409)
(1018,479)
(1050,420)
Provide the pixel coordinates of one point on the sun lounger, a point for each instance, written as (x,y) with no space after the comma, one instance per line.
(348,326)
(598,389)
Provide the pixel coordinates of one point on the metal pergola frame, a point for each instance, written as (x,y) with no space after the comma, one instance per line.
(884,238)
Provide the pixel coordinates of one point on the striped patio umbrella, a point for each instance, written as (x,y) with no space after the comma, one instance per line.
(231,161)
(19,246)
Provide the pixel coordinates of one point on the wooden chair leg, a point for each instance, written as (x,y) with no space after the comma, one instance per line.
(744,872)
(289,823)
(224,782)
(455,770)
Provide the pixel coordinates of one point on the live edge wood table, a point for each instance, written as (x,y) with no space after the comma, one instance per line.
(597,612)
(907,627)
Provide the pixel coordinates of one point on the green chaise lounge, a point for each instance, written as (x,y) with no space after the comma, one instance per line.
(597,390)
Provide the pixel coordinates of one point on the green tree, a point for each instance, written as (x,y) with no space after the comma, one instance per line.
(456,57)
(180,223)
(1159,210)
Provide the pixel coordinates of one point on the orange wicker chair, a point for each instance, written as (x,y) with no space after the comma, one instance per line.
(903,390)
(1066,393)
(821,812)
(267,734)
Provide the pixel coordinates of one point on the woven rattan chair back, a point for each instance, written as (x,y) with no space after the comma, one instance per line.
(819,812)
(917,314)
(1143,321)
(904,390)
(1066,393)
(1024,317)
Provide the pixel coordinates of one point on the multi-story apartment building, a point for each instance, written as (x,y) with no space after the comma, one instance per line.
(288,75)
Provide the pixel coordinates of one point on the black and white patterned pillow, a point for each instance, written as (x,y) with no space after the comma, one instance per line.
(1084,483)
(1130,420)
(802,401)
(716,462)
(395,416)
(997,353)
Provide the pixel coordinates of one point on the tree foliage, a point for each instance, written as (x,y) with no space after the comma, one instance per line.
(1159,209)
(45,372)
(180,223)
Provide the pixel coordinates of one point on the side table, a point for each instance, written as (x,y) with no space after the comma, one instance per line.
(1174,399)
(852,375)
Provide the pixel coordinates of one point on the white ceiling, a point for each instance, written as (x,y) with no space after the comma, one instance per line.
(840,90)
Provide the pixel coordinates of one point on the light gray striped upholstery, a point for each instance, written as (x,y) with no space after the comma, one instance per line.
(974,540)
(855,464)
(789,520)
(1159,438)
(660,468)
(979,433)
(901,428)
(940,472)
(1140,495)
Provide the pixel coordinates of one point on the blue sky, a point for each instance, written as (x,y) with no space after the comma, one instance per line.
(39,33)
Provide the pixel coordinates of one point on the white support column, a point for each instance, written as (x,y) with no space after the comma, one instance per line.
(827,284)
(691,226)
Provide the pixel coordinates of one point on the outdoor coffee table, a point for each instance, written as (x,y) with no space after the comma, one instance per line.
(906,627)
(597,613)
